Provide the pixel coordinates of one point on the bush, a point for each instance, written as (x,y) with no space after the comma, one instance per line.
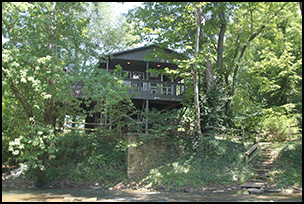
(274,129)
(86,157)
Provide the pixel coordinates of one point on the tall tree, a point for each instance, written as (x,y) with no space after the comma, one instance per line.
(198,18)
(32,67)
(269,74)
(179,26)
(49,47)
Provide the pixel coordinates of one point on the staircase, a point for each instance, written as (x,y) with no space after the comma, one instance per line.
(262,166)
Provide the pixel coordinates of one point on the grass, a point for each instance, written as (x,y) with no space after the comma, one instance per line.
(287,166)
(220,163)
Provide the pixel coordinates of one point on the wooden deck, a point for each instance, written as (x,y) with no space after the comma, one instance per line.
(146,89)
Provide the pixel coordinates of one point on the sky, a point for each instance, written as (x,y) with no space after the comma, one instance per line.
(123,8)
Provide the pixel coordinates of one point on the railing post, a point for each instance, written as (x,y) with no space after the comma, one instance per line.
(257,138)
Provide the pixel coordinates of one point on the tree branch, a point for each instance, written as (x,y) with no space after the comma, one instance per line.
(245,46)
(14,88)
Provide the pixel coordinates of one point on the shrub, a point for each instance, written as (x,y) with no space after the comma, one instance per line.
(274,129)
(86,157)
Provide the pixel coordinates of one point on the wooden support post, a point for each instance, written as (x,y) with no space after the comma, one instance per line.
(147,120)
(147,68)
(161,85)
(107,65)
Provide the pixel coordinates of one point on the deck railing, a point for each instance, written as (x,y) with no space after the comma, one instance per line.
(155,87)
(144,88)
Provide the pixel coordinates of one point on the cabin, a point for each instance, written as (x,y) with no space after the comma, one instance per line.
(149,87)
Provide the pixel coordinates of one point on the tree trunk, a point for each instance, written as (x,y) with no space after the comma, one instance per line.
(220,47)
(41,180)
(195,82)
(209,74)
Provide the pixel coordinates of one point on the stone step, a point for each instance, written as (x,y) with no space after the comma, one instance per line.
(255,191)
(262,166)
(264,160)
(262,176)
(268,150)
(253,185)
(273,190)
(257,181)
(267,156)
(262,170)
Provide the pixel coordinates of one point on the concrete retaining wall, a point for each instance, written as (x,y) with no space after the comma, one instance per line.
(142,158)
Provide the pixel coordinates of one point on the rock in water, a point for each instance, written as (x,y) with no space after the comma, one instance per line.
(255,191)
(90,199)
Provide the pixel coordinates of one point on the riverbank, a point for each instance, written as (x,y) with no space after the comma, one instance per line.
(22,183)
(212,172)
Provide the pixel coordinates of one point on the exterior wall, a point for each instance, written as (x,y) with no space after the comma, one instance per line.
(144,157)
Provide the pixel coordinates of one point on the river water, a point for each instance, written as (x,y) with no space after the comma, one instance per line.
(72,194)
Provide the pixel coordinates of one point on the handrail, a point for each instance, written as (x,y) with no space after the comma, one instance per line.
(290,133)
(151,87)
(252,149)
(156,87)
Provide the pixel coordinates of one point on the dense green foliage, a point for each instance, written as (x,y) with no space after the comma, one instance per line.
(49,48)
(258,67)
(221,163)
(255,55)
(85,158)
